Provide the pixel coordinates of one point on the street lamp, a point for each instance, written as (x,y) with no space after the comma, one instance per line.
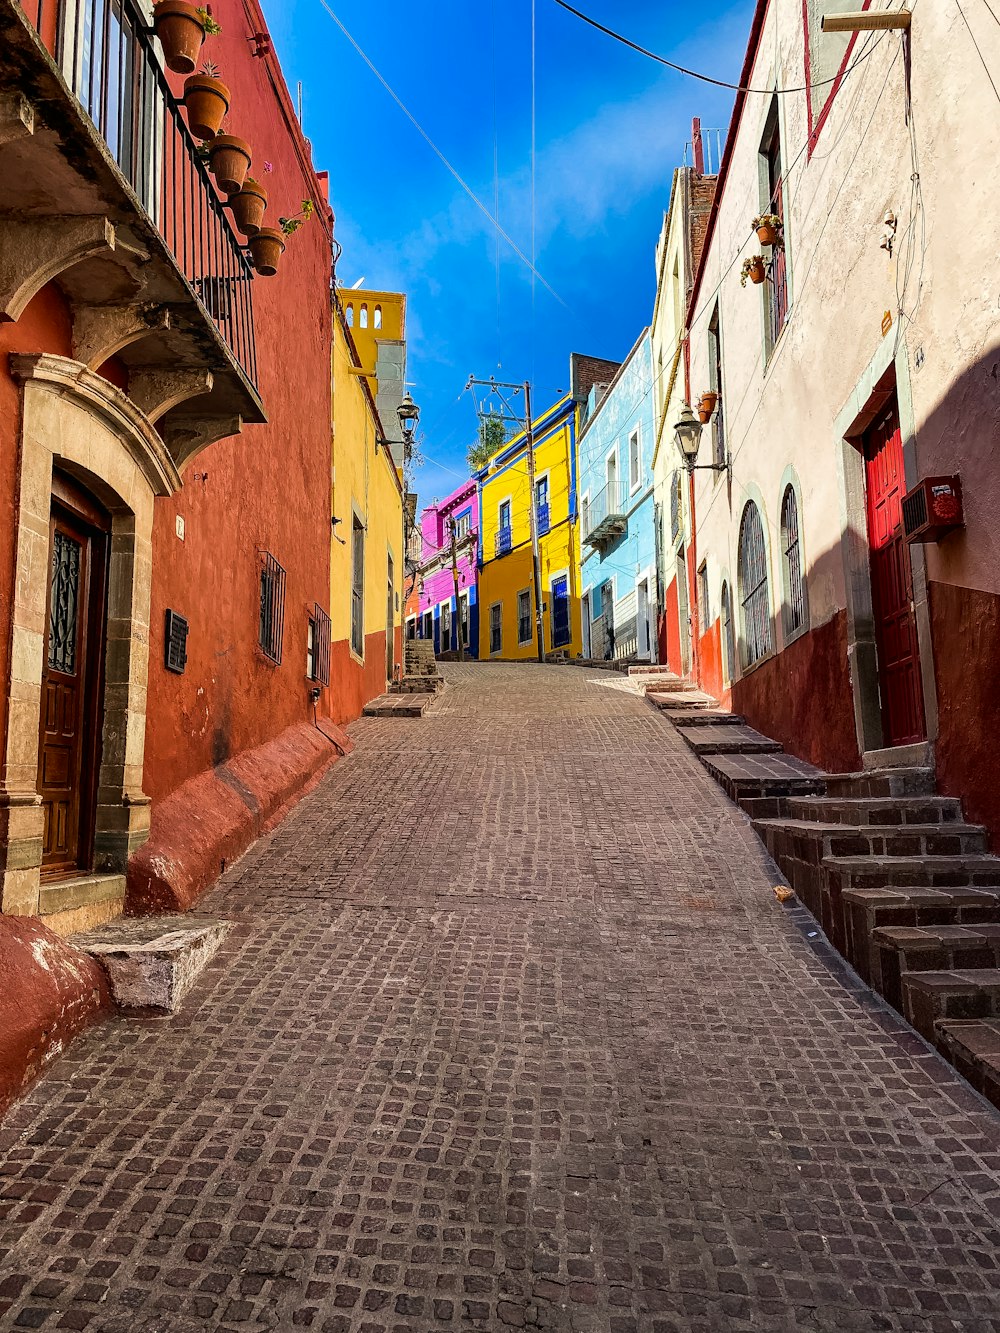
(409,414)
(687,433)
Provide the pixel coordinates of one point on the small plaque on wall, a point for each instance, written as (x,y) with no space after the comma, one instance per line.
(176,643)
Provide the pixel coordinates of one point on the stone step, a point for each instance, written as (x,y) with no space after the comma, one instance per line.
(763,776)
(417,685)
(858,913)
(895,950)
(930,997)
(651,669)
(857,812)
(882,782)
(153,961)
(727,740)
(867,872)
(705,717)
(973,1047)
(806,840)
(680,702)
(667,685)
(397,705)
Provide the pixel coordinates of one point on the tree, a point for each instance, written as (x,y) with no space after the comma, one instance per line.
(492,437)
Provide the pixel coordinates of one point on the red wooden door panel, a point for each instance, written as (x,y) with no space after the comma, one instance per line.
(892,587)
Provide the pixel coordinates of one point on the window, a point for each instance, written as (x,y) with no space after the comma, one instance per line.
(634,461)
(704,611)
(411,627)
(613,505)
(358,587)
(503,529)
(427,627)
(378,316)
(715,384)
(463,617)
(728,642)
(777,284)
(505,515)
(542,504)
(272,608)
(756,621)
(675,507)
(364,317)
(585,515)
(795,602)
(496,627)
(446,627)
(462,526)
(350,317)
(318,647)
(524,616)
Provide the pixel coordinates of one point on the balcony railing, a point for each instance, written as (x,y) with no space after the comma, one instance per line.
(109,58)
(503,542)
(605,516)
(542,515)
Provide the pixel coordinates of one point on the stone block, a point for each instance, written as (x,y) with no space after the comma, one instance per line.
(152,962)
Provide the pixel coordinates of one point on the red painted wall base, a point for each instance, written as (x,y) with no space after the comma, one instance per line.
(213,818)
(50,994)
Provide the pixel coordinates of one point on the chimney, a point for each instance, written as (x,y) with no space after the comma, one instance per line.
(697,146)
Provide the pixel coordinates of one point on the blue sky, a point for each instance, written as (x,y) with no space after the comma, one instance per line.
(610,128)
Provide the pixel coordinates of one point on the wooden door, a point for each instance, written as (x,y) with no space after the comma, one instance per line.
(900,687)
(72,685)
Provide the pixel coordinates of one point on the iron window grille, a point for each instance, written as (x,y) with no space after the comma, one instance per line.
(175,643)
(795,608)
(446,627)
(715,384)
(358,587)
(272,608)
(496,627)
(703,607)
(463,618)
(319,655)
(728,638)
(753,587)
(524,617)
(675,507)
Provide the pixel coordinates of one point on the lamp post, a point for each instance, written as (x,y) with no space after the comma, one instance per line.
(409,414)
(687,434)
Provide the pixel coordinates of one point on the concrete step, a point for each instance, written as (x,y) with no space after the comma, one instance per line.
(867,872)
(857,914)
(932,997)
(895,950)
(861,811)
(647,669)
(681,701)
(153,961)
(763,776)
(727,740)
(667,685)
(973,1047)
(397,705)
(805,839)
(417,685)
(882,782)
(705,717)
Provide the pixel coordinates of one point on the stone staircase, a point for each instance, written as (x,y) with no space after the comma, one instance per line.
(903,887)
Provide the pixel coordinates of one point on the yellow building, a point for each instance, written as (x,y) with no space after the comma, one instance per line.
(367,550)
(507,603)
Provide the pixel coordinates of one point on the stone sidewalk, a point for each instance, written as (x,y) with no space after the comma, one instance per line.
(511,1032)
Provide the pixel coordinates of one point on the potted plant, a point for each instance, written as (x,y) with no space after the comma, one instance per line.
(248,207)
(181,29)
(706,406)
(267,245)
(768,228)
(229,161)
(206,99)
(753,268)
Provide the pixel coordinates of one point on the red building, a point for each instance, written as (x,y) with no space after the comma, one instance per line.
(164,470)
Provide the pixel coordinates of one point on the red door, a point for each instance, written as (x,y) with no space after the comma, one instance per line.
(892,587)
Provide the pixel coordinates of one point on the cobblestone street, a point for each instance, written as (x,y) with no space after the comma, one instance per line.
(510,1032)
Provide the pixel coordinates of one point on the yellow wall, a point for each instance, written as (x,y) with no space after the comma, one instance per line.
(393,308)
(365,483)
(503,577)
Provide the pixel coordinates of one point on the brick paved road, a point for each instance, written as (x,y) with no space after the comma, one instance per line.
(557,1060)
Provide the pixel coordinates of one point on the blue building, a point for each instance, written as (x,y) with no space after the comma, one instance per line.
(617,527)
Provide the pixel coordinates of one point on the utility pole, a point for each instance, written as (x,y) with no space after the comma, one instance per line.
(454,575)
(535,561)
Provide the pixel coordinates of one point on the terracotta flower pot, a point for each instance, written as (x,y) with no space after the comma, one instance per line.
(267,247)
(757,272)
(248,207)
(181,34)
(229,161)
(766,234)
(706,407)
(207,101)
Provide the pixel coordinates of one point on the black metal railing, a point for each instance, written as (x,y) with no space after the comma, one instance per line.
(109,58)
(503,541)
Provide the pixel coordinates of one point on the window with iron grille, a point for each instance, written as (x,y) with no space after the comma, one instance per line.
(728,638)
(795,601)
(776,287)
(272,608)
(463,617)
(703,607)
(496,627)
(675,507)
(358,587)
(715,384)
(446,627)
(318,651)
(754,601)
(524,616)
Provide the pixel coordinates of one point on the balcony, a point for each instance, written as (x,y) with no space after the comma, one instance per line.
(102,178)
(606,516)
(542,518)
(503,544)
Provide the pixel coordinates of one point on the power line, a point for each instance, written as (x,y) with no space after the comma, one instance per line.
(438,153)
(693,73)
(975,44)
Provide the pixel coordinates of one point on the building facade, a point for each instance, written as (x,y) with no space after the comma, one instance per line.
(617,525)
(508,622)
(443,613)
(839,637)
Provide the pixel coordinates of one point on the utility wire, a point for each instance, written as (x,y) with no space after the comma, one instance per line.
(693,73)
(438,153)
(975,44)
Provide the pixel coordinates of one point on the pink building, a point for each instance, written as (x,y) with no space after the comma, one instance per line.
(441,613)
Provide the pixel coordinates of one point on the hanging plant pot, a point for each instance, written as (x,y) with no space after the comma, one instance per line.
(181,33)
(267,246)
(248,207)
(766,234)
(706,407)
(229,161)
(206,100)
(757,272)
